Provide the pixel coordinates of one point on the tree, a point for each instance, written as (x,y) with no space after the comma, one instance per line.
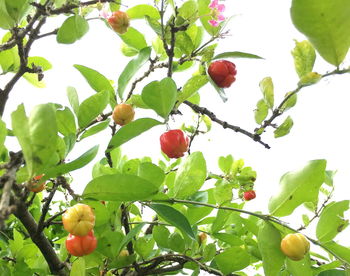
(198,222)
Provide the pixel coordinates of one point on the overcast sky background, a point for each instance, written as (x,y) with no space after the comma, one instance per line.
(321,116)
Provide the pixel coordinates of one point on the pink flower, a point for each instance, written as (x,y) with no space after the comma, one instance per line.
(216,13)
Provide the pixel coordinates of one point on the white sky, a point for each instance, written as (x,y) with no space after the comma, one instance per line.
(260,27)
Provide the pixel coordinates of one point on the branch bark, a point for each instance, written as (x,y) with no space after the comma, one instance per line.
(56,266)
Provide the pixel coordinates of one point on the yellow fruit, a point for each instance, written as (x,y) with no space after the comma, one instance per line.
(295,246)
(124,253)
(123,114)
(79,219)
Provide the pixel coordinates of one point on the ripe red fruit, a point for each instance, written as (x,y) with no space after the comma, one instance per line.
(123,114)
(249,195)
(174,143)
(222,72)
(80,246)
(119,21)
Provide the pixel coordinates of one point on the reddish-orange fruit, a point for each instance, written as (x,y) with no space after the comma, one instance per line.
(123,114)
(119,21)
(202,237)
(222,72)
(80,246)
(249,195)
(34,185)
(79,219)
(174,143)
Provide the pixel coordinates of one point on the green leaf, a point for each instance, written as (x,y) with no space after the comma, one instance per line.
(190,175)
(9,59)
(134,39)
(341,252)
(119,187)
(131,69)
(261,111)
(189,10)
(154,24)
(309,79)
(144,246)
(175,218)
(225,163)
(78,163)
(191,87)
(304,57)
(292,100)
(269,242)
(95,129)
(266,87)
(236,54)
(33,134)
(333,212)
(140,11)
(78,267)
(97,81)
(284,128)
(300,268)
(152,173)
(34,80)
(65,121)
(134,231)
(3,132)
(298,187)
(230,239)
(128,51)
(72,29)
(160,96)
(17,9)
(204,15)
(136,101)
(221,217)
(176,242)
(184,42)
(232,259)
(6,21)
(333,272)
(73,99)
(326,24)
(39,62)
(130,131)
(161,235)
(91,108)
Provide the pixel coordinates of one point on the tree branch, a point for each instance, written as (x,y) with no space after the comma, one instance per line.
(6,181)
(56,266)
(278,111)
(224,124)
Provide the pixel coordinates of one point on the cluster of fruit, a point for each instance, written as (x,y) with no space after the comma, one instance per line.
(79,221)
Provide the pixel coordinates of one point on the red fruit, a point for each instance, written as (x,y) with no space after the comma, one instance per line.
(80,246)
(119,21)
(249,195)
(174,143)
(222,72)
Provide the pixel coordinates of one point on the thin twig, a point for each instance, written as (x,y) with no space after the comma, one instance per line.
(224,124)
